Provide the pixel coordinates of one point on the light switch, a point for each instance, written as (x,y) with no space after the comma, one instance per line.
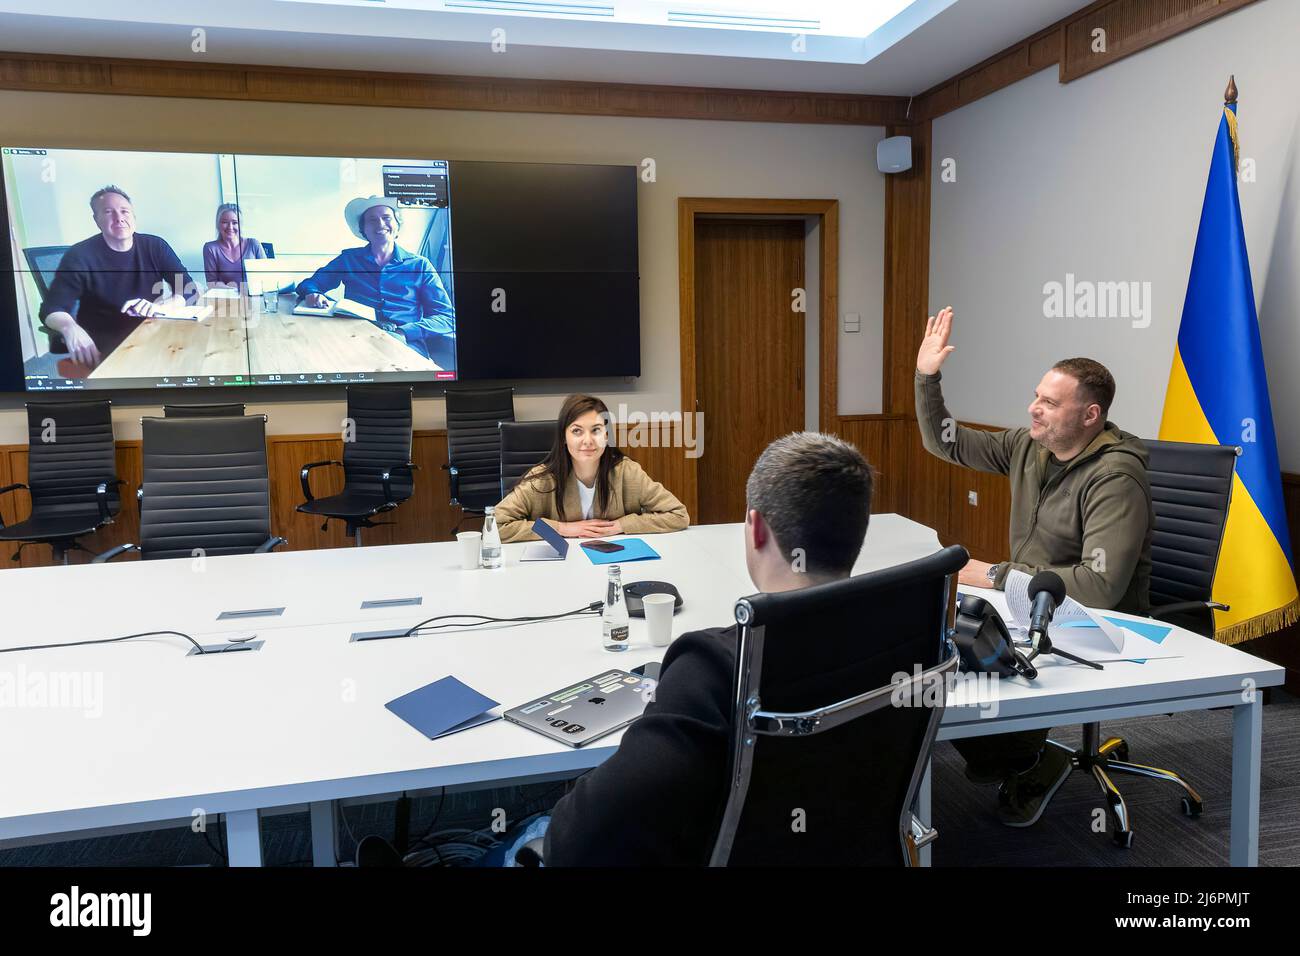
(973,497)
(852,322)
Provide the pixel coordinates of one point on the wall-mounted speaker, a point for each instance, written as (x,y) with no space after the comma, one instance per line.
(894,155)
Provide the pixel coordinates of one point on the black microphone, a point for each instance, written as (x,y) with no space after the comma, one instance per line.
(1047,592)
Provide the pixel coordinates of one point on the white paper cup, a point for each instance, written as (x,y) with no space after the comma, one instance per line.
(659,617)
(470,542)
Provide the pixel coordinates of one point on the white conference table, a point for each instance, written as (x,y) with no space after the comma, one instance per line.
(175,737)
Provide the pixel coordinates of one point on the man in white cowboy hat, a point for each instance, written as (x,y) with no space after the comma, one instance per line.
(403,288)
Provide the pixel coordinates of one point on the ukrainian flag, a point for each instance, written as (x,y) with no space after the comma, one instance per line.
(1218,394)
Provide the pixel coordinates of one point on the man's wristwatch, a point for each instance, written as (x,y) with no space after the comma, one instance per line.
(992,573)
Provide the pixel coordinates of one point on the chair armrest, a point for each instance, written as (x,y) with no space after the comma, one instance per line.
(112,553)
(306,483)
(269,544)
(530,854)
(101,496)
(1183,606)
(453,478)
(8,488)
(386,476)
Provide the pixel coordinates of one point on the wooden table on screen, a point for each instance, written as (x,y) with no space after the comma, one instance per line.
(239,340)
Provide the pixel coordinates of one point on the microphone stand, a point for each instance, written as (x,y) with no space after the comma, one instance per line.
(1044,646)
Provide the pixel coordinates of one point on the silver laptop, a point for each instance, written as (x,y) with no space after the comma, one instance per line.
(587,710)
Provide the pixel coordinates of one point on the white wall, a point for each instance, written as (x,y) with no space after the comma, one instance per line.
(693,158)
(1104,178)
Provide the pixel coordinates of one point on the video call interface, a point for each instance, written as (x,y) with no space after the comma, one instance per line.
(174,270)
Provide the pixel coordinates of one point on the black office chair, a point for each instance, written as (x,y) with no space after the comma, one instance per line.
(206,489)
(377,466)
(523,445)
(816,722)
(474,444)
(71,476)
(203,411)
(43,263)
(1191,488)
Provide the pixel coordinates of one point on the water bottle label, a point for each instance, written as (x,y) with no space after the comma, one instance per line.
(618,633)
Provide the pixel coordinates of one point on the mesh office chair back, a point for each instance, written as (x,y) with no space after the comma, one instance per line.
(44,263)
(203,411)
(382,434)
(70,452)
(1191,488)
(205,487)
(523,445)
(853,784)
(474,443)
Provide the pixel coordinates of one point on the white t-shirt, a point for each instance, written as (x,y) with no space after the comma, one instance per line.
(586,496)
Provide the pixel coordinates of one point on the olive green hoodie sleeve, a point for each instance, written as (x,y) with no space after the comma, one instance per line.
(1114,505)
(944,438)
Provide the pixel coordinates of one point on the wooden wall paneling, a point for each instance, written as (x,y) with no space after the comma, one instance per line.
(879,438)
(929,486)
(907,270)
(11,506)
(1130,26)
(828,257)
(286,454)
(74,74)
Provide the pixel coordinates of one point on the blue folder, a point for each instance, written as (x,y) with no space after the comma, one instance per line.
(634,549)
(443,707)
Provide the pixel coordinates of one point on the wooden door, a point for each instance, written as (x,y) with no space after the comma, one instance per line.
(749,351)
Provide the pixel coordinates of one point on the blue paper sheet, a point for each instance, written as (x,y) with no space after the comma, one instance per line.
(634,549)
(443,707)
(1153,632)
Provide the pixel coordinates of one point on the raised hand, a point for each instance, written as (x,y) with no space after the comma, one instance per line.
(934,347)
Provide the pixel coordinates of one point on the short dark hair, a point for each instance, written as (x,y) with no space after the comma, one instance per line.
(1096,384)
(105,190)
(814,490)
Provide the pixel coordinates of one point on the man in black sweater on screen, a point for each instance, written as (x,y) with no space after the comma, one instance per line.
(113,281)
(659,799)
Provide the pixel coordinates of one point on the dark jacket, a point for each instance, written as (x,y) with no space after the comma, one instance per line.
(659,799)
(1091,523)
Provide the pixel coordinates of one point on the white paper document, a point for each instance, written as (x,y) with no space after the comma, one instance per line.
(189,313)
(1074,628)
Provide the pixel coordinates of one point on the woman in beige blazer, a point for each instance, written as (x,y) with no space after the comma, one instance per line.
(600,491)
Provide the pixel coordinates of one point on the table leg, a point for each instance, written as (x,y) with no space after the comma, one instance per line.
(324,834)
(244,838)
(1247,729)
(923,809)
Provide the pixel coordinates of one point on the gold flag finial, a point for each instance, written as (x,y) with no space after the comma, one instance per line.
(1230,94)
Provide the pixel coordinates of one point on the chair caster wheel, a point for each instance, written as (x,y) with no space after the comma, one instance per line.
(1121,753)
(1123,839)
(1192,808)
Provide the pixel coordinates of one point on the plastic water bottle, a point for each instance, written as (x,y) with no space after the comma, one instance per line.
(613,622)
(490,553)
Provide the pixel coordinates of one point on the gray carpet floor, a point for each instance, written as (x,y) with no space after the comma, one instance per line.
(1197,745)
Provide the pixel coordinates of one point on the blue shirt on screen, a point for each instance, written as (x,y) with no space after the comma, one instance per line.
(409,299)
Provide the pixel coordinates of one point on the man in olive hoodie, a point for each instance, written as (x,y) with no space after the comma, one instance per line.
(1080,506)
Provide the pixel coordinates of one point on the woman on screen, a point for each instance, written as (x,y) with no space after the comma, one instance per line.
(223,257)
(587,488)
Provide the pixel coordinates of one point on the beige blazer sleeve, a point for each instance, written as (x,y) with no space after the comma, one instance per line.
(650,507)
(525,504)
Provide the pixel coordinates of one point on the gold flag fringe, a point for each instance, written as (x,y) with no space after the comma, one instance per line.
(1232,133)
(1260,625)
